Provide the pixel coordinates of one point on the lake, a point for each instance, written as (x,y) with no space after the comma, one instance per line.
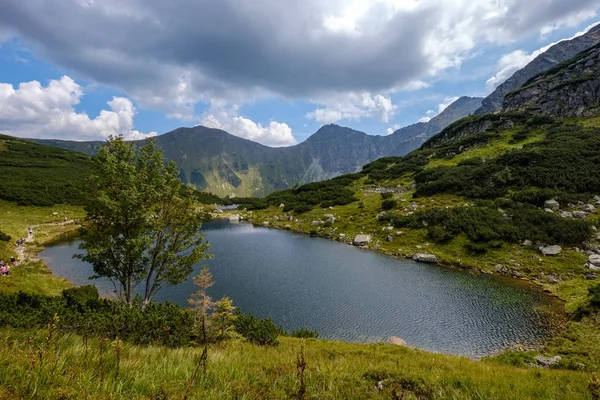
(353,295)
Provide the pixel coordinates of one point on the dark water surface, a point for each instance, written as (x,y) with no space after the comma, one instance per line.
(353,295)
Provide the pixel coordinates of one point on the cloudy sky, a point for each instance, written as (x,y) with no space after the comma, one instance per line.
(272,71)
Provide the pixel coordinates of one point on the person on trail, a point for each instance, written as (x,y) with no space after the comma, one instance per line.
(13,260)
(4,270)
(30,231)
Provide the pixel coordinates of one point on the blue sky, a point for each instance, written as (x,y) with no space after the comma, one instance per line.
(269,71)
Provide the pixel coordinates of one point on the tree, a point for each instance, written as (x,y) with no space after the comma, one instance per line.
(224,314)
(141,224)
(201,302)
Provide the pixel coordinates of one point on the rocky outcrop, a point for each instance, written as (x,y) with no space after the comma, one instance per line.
(570,89)
(547,362)
(554,55)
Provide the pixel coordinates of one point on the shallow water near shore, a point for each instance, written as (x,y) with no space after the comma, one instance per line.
(353,295)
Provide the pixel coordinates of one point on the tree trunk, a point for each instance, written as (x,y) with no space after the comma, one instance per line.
(129,290)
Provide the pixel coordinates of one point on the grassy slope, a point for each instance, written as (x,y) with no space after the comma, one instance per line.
(33,276)
(238,370)
(35,174)
(580,342)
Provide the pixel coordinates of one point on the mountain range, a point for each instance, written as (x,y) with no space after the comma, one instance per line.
(218,162)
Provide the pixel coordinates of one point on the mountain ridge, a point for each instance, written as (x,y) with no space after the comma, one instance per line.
(215,161)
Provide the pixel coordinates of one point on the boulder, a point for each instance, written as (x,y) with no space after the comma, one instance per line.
(590,276)
(331,219)
(390,238)
(552,205)
(551,250)
(315,223)
(234,218)
(579,214)
(397,341)
(566,214)
(361,240)
(266,223)
(547,362)
(589,208)
(425,258)
(527,242)
(326,216)
(342,235)
(381,216)
(594,259)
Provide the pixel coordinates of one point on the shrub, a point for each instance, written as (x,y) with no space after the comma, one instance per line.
(263,332)
(594,293)
(4,237)
(385,196)
(305,333)
(438,233)
(80,295)
(388,204)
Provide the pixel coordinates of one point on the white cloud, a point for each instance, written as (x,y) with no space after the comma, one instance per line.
(276,48)
(227,118)
(352,106)
(514,61)
(441,107)
(392,129)
(34,111)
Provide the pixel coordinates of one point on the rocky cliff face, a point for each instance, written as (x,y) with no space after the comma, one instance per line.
(570,89)
(553,56)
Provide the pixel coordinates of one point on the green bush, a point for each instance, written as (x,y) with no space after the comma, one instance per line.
(594,293)
(305,333)
(263,332)
(4,237)
(385,196)
(388,204)
(80,295)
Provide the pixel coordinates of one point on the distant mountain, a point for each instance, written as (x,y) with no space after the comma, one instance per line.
(553,56)
(215,161)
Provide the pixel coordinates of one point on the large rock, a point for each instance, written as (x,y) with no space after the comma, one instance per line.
(361,240)
(552,205)
(397,341)
(551,250)
(547,362)
(566,214)
(580,214)
(426,258)
(234,218)
(594,259)
(588,208)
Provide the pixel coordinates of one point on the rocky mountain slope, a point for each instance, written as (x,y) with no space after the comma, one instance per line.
(553,56)
(215,161)
(570,89)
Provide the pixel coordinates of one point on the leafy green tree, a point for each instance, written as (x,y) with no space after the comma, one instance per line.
(142,226)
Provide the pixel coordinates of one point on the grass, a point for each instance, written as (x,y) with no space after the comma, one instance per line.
(33,275)
(64,367)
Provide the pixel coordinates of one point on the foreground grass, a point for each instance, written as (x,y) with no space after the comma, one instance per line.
(63,366)
(47,223)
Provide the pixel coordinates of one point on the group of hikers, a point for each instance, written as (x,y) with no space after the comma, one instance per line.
(5,267)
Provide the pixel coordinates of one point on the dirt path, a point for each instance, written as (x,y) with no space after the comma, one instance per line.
(21,250)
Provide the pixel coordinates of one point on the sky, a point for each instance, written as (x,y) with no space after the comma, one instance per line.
(272,71)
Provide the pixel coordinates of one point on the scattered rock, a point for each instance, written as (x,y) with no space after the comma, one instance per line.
(315,223)
(234,218)
(388,228)
(588,208)
(498,267)
(527,242)
(549,210)
(328,216)
(361,240)
(552,205)
(579,214)
(552,280)
(390,238)
(413,207)
(547,362)
(590,276)
(288,226)
(566,214)
(551,250)
(331,219)
(281,205)
(425,258)
(397,341)
(594,259)
(342,235)
(381,216)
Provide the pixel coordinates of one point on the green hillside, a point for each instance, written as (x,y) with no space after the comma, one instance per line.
(34,174)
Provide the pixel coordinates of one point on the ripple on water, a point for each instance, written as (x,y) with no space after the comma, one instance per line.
(352,295)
